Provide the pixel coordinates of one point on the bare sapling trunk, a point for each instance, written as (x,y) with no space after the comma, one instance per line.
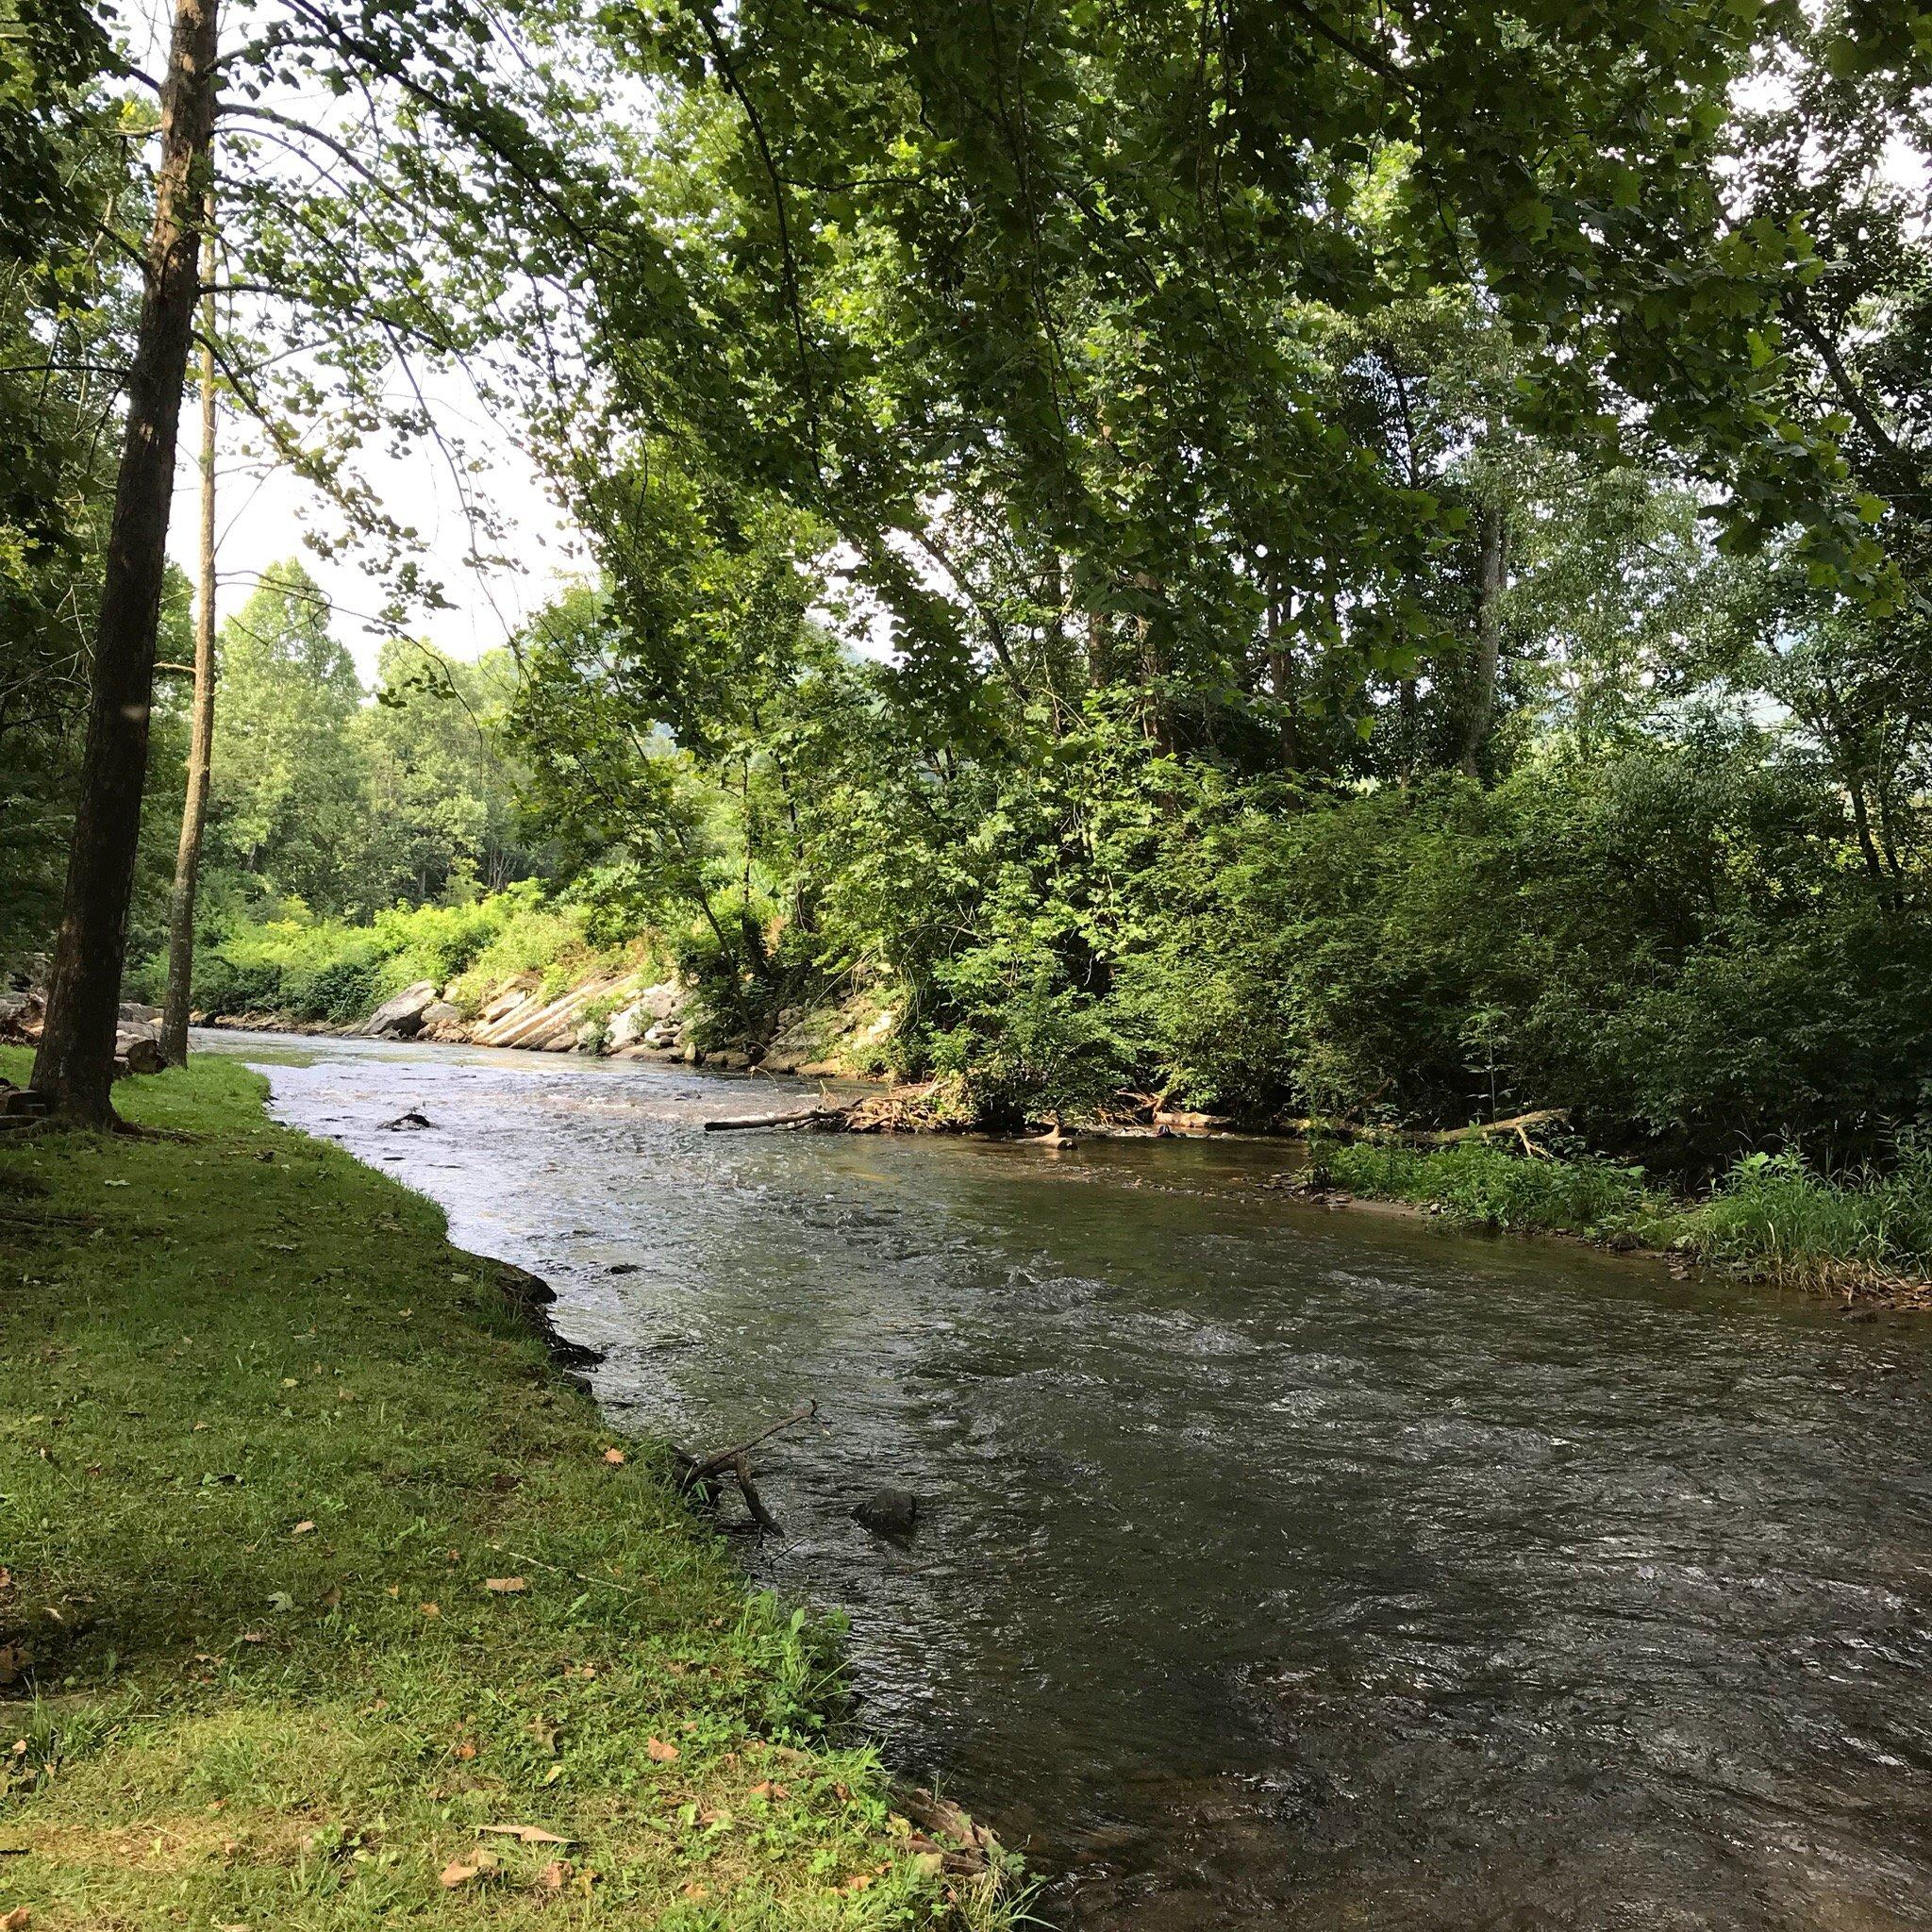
(202,727)
(1489,638)
(75,1066)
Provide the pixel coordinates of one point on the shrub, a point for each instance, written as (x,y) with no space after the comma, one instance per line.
(1483,1185)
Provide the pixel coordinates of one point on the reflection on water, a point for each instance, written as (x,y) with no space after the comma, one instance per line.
(1275,1567)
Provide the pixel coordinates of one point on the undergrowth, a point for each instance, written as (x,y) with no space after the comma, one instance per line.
(1772,1217)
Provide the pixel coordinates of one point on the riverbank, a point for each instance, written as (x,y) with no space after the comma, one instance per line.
(328,1600)
(1771,1219)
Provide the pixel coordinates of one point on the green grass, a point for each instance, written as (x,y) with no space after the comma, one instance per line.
(1772,1218)
(264,1440)
(1482,1184)
(1775,1216)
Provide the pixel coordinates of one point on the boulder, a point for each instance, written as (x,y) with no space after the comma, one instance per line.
(132,1010)
(889,1512)
(21,1017)
(137,1053)
(663,1001)
(401,1018)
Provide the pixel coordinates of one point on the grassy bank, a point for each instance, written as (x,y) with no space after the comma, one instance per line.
(1772,1218)
(317,1571)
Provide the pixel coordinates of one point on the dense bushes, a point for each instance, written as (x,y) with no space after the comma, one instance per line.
(326,970)
(1669,941)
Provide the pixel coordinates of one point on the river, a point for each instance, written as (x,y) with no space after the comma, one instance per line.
(1277,1566)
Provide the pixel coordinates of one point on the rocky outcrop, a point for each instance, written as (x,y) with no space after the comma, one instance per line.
(623,1014)
(649,1019)
(523,1018)
(401,1017)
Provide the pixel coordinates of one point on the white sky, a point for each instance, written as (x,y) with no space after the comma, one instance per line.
(263,518)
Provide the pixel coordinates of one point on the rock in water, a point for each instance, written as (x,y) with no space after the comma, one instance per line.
(889,1512)
(406,1123)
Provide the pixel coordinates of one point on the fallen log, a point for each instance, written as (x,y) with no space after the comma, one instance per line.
(1518,1125)
(803,1116)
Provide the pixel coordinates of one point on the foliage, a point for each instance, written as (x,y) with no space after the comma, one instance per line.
(339,971)
(262,1637)
(1483,1185)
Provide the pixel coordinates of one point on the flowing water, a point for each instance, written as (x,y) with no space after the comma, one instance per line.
(1275,1567)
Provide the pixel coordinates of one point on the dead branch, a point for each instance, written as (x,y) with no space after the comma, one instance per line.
(1518,1125)
(759,1514)
(804,1116)
(715,1465)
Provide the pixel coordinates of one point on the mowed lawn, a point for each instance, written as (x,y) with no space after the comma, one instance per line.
(328,1603)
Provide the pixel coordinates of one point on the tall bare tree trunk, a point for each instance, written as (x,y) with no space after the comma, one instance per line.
(1489,628)
(74,1067)
(202,730)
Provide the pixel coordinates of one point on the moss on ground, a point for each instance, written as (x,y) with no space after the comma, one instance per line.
(316,1571)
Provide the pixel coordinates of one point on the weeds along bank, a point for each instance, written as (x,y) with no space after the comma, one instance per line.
(1865,1235)
(329,1601)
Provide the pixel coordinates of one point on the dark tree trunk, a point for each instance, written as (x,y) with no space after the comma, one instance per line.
(202,731)
(75,1066)
(1489,628)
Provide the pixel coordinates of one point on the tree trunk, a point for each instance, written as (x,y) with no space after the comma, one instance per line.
(1281,684)
(202,732)
(1488,624)
(75,1066)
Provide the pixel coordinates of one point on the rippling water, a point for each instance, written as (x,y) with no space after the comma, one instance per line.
(1275,1567)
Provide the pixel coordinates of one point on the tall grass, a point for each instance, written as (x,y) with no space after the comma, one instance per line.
(1482,1184)
(1774,1217)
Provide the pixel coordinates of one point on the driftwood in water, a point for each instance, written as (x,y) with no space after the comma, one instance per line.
(701,1475)
(823,1112)
(898,1109)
